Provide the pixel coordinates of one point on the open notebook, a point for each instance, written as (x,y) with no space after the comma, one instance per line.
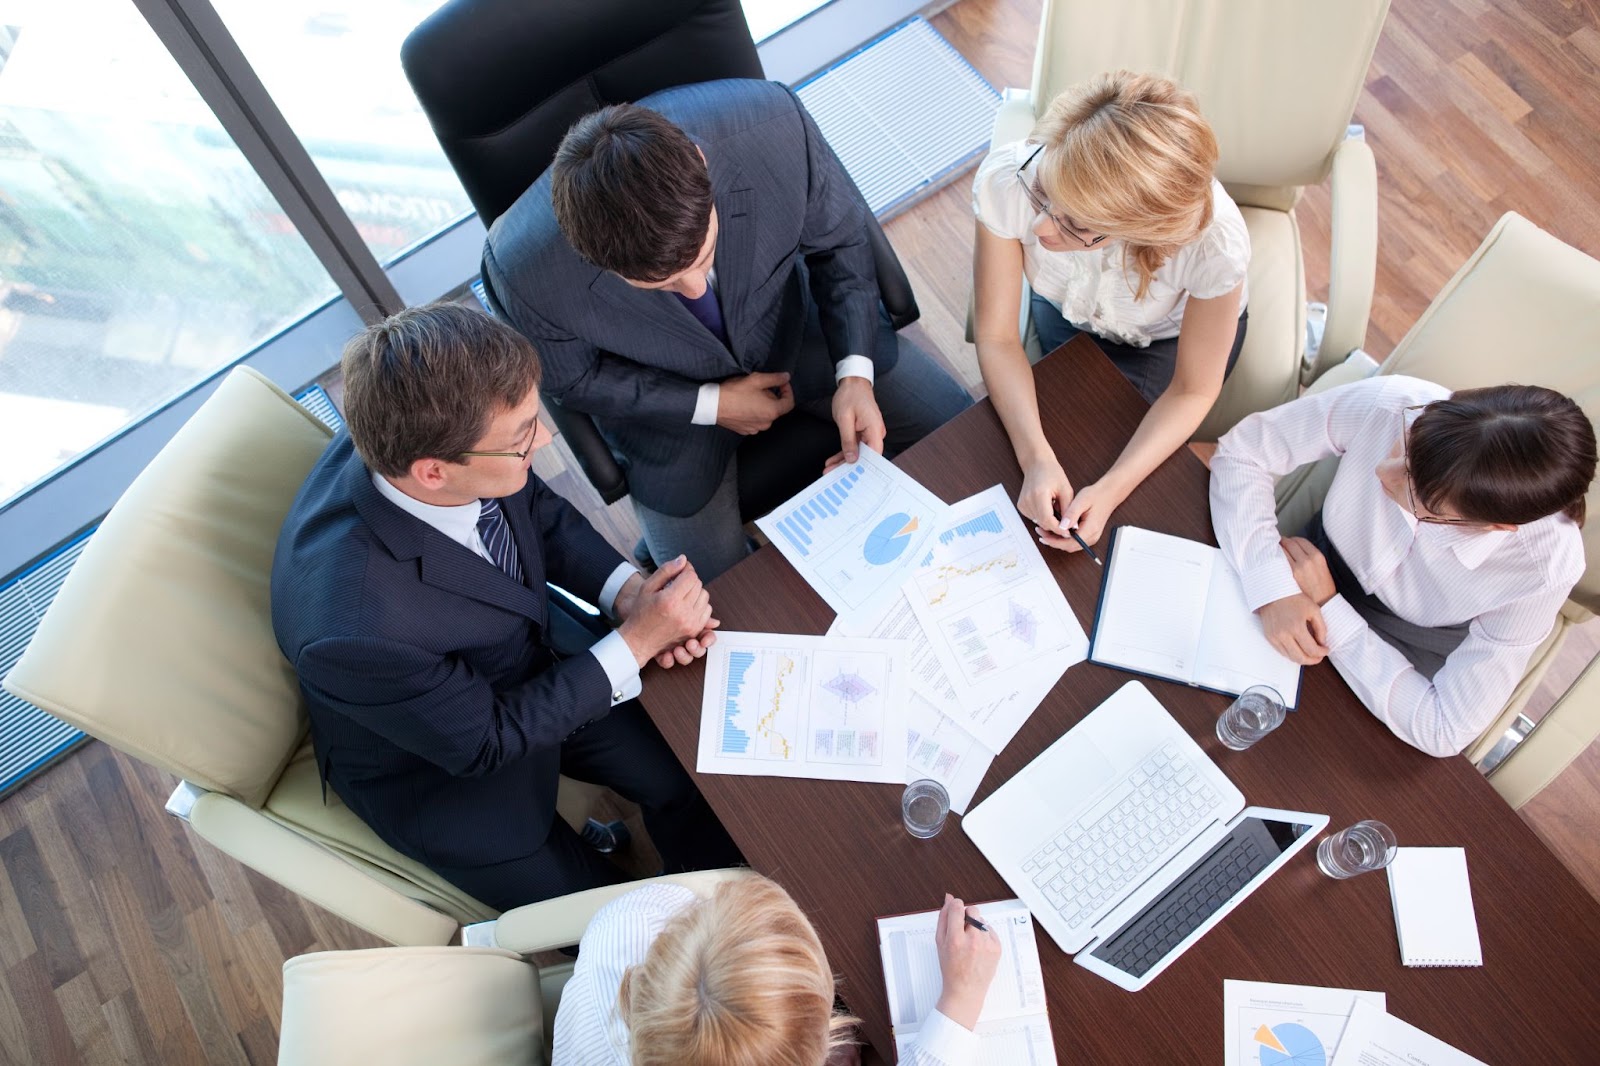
(1013,1028)
(1173,608)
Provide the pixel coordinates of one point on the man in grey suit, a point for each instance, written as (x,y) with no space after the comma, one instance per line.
(693,267)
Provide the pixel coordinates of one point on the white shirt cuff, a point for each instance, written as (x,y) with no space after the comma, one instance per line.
(1344,624)
(945,1040)
(617,660)
(613,585)
(1268,582)
(854,366)
(705,404)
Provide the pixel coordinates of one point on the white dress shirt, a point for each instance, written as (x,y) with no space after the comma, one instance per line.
(710,394)
(460,524)
(1507,584)
(589,1027)
(1092,287)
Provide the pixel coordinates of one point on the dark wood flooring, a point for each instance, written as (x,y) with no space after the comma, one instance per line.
(124,939)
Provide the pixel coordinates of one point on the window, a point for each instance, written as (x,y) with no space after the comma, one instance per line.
(333,69)
(139,252)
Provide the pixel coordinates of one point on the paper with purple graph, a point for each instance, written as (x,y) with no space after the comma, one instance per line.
(855,533)
(780,705)
(994,615)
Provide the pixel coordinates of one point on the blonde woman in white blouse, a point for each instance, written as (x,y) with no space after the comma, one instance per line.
(666,978)
(1111,212)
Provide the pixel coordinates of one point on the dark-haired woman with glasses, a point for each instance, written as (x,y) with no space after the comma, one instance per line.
(1111,213)
(1447,542)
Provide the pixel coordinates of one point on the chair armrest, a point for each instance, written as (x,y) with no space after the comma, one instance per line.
(1356,366)
(412,1007)
(559,923)
(1014,119)
(1353,252)
(894,288)
(309,870)
(590,449)
(1561,736)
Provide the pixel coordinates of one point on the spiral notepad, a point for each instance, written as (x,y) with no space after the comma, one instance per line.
(1433,914)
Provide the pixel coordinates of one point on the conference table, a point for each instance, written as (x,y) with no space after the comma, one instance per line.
(840,850)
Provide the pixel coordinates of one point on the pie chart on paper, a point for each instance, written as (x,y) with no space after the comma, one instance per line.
(1288,1044)
(889,538)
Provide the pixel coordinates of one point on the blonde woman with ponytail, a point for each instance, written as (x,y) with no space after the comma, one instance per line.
(667,978)
(1111,212)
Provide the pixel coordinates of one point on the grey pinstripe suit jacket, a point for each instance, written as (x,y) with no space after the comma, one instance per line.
(635,359)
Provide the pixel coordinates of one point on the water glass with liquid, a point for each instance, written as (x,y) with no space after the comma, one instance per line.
(1360,849)
(1258,711)
(924,807)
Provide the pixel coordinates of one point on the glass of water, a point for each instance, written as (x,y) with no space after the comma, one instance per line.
(924,808)
(1258,711)
(1360,849)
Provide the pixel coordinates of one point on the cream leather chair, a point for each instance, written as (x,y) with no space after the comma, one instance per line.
(1524,308)
(430,1006)
(1278,82)
(160,643)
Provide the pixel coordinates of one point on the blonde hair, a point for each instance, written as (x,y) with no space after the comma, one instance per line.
(739,979)
(1129,155)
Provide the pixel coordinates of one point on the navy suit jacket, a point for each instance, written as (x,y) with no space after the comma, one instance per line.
(437,707)
(635,359)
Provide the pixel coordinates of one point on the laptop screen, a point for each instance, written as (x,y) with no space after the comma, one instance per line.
(1208,885)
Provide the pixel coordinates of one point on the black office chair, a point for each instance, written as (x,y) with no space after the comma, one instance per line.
(502,81)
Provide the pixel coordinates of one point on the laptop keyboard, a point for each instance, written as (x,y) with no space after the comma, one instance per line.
(1093,859)
(1209,884)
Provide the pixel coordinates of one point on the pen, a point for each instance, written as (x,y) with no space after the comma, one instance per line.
(979,926)
(1073,533)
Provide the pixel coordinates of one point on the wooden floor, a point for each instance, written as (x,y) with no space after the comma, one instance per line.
(125,939)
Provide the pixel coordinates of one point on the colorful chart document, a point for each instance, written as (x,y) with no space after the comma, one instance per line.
(939,749)
(994,614)
(1374,1038)
(777,705)
(1014,1027)
(855,533)
(1286,1025)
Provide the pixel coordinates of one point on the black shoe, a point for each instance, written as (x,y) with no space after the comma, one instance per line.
(605,837)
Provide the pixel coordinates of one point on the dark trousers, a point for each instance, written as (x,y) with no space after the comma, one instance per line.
(1148,369)
(1425,647)
(622,751)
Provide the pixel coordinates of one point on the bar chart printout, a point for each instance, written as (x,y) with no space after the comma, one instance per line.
(797,706)
(855,533)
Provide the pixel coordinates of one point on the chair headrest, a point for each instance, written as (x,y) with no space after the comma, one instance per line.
(1525,308)
(502,81)
(160,641)
(1277,81)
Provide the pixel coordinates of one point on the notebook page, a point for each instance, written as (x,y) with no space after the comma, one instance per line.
(1153,610)
(1234,652)
(1014,1017)
(1433,913)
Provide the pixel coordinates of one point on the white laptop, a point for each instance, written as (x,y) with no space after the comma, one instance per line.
(1127,843)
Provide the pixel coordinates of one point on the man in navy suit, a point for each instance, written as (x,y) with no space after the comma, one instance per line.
(408,591)
(692,268)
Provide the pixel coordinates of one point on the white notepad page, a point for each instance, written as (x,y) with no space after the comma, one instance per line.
(1014,1026)
(1174,608)
(1433,914)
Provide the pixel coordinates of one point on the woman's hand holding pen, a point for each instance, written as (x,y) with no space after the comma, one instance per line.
(969,954)
(1045,494)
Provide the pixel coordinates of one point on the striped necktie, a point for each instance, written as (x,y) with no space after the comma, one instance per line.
(496,534)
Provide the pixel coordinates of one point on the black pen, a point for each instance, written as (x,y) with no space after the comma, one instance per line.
(1073,533)
(979,926)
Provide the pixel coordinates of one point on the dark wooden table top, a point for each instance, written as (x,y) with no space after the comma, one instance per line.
(839,848)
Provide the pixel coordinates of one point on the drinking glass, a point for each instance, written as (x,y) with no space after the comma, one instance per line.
(924,807)
(1258,711)
(1360,849)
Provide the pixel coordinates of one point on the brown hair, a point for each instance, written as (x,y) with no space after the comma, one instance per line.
(1129,155)
(423,383)
(1508,453)
(738,979)
(631,193)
